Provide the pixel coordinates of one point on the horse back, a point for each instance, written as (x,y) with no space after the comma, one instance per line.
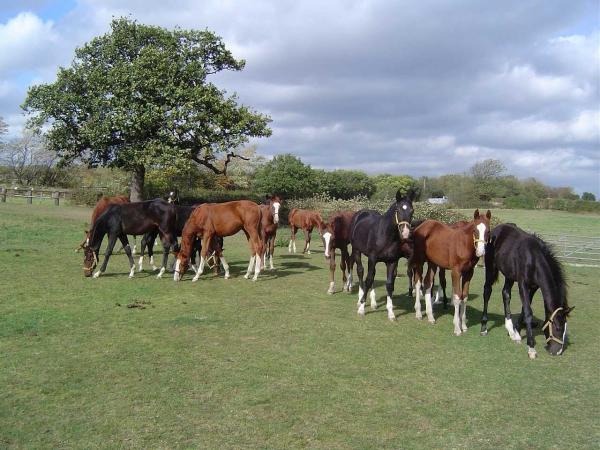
(104,203)
(444,245)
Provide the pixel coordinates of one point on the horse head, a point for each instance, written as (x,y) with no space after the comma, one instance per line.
(328,239)
(90,260)
(274,202)
(404,212)
(481,231)
(173,196)
(555,330)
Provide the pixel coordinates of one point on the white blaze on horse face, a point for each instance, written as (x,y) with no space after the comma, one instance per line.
(327,239)
(276,206)
(480,249)
(405,231)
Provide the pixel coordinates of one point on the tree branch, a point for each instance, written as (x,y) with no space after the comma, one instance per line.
(206,162)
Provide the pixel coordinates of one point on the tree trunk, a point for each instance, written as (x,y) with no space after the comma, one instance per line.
(136,187)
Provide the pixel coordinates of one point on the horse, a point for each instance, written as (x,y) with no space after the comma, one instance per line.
(269,224)
(455,248)
(119,220)
(182,215)
(530,262)
(101,205)
(305,220)
(383,238)
(337,235)
(221,219)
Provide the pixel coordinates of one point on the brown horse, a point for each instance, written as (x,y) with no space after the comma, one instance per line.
(212,220)
(100,207)
(269,224)
(337,235)
(457,249)
(305,220)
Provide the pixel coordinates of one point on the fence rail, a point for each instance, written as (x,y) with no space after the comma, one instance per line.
(576,250)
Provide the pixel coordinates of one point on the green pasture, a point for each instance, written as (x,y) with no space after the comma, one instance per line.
(277,363)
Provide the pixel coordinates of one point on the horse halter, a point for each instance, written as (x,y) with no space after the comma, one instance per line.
(548,325)
(400,223)
(95,262)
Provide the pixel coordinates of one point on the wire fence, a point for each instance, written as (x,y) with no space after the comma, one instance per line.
(576,250)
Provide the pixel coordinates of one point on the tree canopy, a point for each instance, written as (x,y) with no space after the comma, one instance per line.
(139,97)
(286,175)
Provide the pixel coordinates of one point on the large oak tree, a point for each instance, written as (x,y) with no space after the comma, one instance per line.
(139,97)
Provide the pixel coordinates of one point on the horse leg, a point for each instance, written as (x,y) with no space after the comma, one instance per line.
(521,320)
(466,281)
(389,287)
(206,240)
(418,279)
(360,272)
(142,252)
(526,300)
(307,241)
(441,290)
(410,276)
(369,282)
(427,285)
(487,292)
(346,267)
(508,323)
(456,300)
(331,289)
(169,241)
(292,244)
(128,252)
(112,240)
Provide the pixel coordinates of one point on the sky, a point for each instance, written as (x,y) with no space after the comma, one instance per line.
(423,88)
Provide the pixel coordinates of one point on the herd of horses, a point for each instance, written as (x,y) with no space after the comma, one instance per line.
(521,257)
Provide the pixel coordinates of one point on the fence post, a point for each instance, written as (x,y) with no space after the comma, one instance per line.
(56,197)
(3,194)
(30,197)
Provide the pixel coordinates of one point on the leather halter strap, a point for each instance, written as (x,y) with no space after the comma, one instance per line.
(400,223)
(548,325)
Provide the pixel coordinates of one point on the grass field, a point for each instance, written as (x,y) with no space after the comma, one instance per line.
(272,364)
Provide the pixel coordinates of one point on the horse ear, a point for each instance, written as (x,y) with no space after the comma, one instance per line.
(488,214)
(398,195)
(476,214)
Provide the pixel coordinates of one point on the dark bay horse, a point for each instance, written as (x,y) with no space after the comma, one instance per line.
(306,220)
(212,220)
(383,238)
(130,218)
(454,248)
(101,206)
(269,224)
(527,260)
(337,235)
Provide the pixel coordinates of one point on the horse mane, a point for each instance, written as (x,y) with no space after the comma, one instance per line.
(556,269)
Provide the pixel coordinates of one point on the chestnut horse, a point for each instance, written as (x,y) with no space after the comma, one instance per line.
(337,235)
(455,248)
(220,220)
(305,220)
(100,207)
(269,224)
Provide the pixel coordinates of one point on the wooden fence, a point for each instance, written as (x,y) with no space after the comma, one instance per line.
(32,193)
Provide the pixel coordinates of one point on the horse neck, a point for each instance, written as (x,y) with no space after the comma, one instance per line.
(187,239)
(552,286)
(97,234)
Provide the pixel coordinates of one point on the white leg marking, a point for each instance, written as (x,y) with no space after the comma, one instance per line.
(290,247)
(349,283)
(512,332)
(428,306)
(327,238)
(200,269)
(373,299)
(308,248)
(331,289)
(531,352)
(140,263)
(250,267)
(225,267)
(361,309)
(160,274)
(418,313)
(360,295)
(97,274)
(294,246)
(176,274)
(271,262)
(463,315)
(132,271)
(257,268)
(438,296)
(152,263)
(390,308)
(456,320)
(133,250)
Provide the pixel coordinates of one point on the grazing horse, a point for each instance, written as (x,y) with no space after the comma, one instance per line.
(219,220)
(183,213)
(130,218)
(100,207)
(305,220)
(337,235)
(526,259)
(269,224)
(455,248)
(383,238)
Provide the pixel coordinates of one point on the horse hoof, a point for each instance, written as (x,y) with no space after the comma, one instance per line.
(330,292)
(483,333)
(392,318)
(419,316)
(457,333)
(532,355)
(432,322)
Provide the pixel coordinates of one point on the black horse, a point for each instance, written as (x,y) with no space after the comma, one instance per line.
(383,238)
(130,218)
(526,259)
(182,215)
